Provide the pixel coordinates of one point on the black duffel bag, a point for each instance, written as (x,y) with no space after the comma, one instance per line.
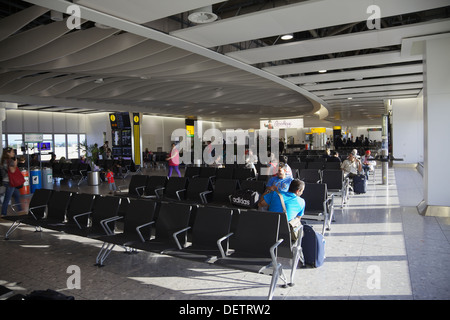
(245,198)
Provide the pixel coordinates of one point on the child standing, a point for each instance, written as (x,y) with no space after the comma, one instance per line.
(111,183)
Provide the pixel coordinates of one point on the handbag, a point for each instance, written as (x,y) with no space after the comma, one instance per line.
(16,179)
(245,198)
(294,224)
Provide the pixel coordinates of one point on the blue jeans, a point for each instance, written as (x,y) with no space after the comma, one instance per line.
(9,193)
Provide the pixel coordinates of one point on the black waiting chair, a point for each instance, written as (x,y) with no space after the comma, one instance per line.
(76,217)
(192,172)
(90,223)
(210,224)
(225,173)
(208,172)
(154,189)
(289,249)
(136,228)
(136,182)
(172,220)
(56,209)
(336,183)
(223,189)
(196,191)
(36,211)
(317,165)
(244,173)
(255,185)
(175,186)
(318,205)
(298,165)
(310,175)
(332,165)
(255,246)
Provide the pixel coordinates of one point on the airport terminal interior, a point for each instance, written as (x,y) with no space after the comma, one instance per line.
(98,88)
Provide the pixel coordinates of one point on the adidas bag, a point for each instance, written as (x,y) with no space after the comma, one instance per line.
(245,198)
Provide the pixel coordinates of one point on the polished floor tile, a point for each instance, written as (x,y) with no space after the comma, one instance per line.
(379,247)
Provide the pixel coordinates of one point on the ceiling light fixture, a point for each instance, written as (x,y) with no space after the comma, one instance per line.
(322,71)
(288,36)
(202,15)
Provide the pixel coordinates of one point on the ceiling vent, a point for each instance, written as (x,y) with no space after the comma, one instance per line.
(202,15)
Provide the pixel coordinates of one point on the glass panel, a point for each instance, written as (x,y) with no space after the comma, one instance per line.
(82,138)
(15,141)
(60,146)
(72,146)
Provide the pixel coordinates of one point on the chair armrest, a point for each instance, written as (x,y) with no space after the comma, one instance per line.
(31,210)
(120,187)
(203,196)
(139,188)
(175,234)
(138,229)
(178,193)
(298,242)
(80,215)
(13,206)
(219,244)
(157,190)
(329,203)
(272,251)
(104,224)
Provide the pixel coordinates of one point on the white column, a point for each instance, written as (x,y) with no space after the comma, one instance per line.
(436,123)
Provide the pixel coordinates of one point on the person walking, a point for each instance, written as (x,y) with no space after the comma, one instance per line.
(9,163)
(174,160)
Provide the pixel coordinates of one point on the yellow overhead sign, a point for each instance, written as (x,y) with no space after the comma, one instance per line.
(190,129)
(318,130)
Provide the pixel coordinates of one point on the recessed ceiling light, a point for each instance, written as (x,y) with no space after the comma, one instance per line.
(287,36)
(349,98)
(322,71)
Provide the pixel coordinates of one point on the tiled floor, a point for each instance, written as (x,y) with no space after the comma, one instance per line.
(378,248)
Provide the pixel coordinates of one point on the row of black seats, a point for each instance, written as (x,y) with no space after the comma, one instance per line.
(196,190)
(220,173)
(319,165)
(202,233)
(200,191)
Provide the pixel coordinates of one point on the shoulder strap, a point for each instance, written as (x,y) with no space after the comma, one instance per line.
(282,201)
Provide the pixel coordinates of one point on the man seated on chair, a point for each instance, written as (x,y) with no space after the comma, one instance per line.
(281,181)
(295,206)
(334,157)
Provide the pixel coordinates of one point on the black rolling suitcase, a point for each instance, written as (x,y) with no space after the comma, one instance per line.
(359,184)
(313,247)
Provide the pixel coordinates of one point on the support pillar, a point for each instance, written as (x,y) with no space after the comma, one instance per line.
(385,150)
(436,122)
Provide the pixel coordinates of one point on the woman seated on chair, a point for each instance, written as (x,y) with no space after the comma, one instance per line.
(351,166)
(368,163)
